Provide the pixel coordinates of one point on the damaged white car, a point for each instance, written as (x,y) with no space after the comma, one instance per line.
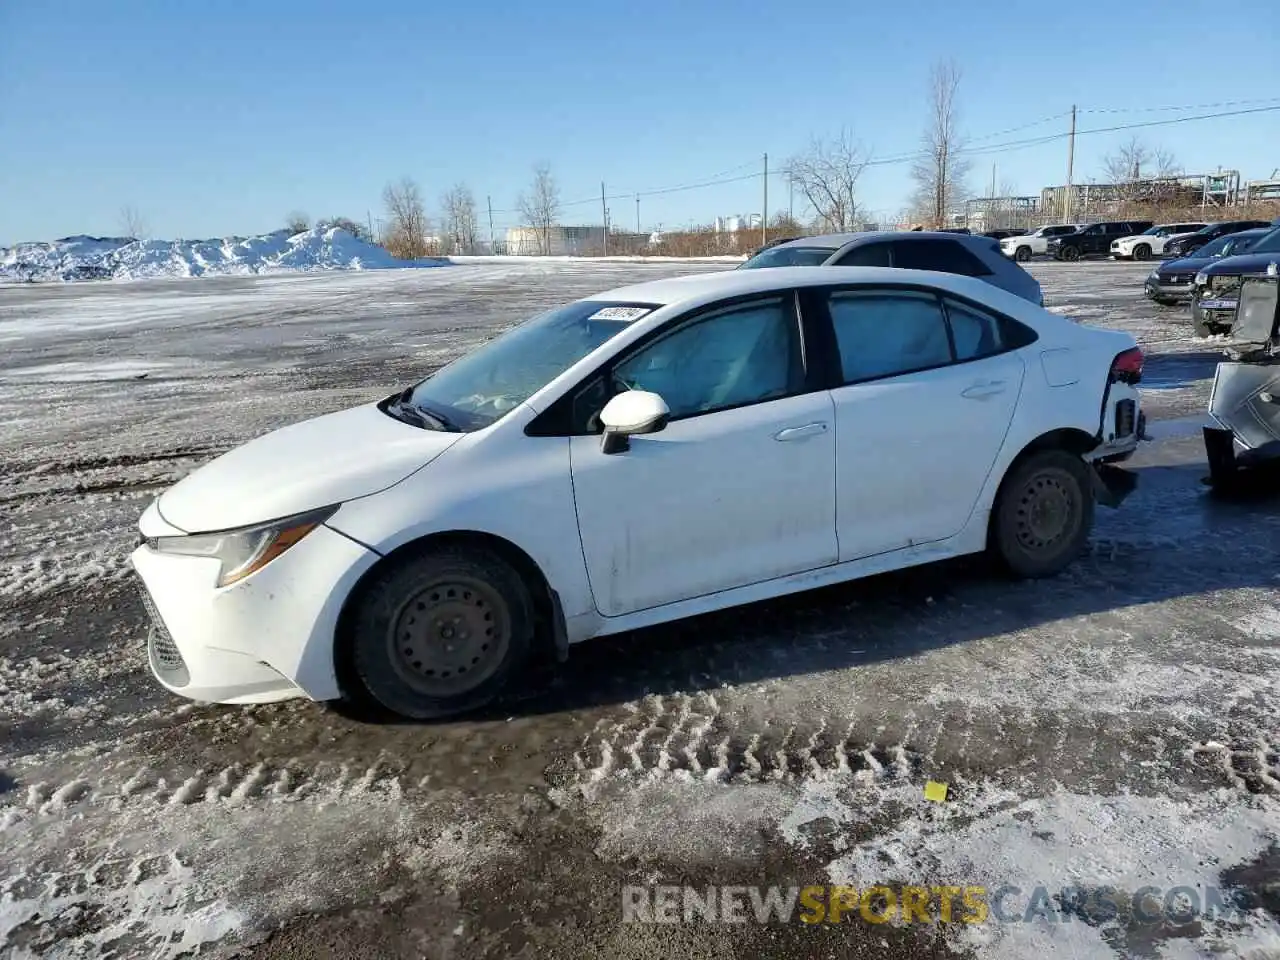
(649,453)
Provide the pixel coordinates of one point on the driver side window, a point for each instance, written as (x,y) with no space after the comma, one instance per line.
(747,353)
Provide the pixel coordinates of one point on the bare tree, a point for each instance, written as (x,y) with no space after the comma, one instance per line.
(406,231)
(826,174)
(541,206)
(131,222)
(458,208)
(357,230)
(941,170)
(297,222)
(1141,172)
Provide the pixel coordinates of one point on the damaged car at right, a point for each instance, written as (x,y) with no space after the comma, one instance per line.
(1244,447)
(1215,293)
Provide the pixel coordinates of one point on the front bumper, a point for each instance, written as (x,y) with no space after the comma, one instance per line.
(1213,311)
(267,637)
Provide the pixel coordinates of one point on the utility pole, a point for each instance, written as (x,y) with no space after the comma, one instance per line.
(368,216)
(1071,159)
(993,180)
(637,214)
(492,243)
(604,214)
(764,210)
(791,198)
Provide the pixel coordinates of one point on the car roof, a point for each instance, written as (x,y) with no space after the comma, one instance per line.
(834,241)
(699,287)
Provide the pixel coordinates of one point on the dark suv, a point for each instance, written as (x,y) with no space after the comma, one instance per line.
(1184,246)
(1095,239)
(960,253)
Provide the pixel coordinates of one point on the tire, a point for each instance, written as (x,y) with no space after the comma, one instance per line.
(1022,254)
(1043,514)
(1142,252)
(421,626)
(1070,254)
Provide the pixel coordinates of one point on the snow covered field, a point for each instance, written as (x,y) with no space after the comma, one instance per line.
(1116,727)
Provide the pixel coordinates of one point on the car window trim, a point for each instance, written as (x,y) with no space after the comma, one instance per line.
(818,296)
(561,409)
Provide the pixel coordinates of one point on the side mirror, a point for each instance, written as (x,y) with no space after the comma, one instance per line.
(631,413)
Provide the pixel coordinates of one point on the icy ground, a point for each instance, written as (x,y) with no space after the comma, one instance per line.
(1117,726)
(123,258)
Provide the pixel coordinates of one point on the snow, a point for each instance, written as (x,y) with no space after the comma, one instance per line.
(107,258)
(1064,840)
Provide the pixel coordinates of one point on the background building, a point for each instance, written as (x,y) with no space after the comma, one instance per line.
(560,241)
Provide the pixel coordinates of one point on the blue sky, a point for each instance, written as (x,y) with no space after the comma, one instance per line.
(220,119)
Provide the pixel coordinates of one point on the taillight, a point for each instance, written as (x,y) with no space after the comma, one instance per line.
(1127,366)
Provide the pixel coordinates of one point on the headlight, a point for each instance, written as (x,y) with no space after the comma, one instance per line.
(245,550)
(1154,274)
(1202,278)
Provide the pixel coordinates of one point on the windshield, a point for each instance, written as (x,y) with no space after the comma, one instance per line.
(1267,243)
(482,386)
(1232,243)
(788,257)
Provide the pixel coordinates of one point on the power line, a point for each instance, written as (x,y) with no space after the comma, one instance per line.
(1192,106)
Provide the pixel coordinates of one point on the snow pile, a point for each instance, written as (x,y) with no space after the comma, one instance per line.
(123,258)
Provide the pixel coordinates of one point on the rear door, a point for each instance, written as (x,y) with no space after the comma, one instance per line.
(926,389)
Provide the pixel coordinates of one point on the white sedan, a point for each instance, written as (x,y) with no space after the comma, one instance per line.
(649,453)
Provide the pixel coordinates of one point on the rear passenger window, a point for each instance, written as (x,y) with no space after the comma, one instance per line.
(882,334)
(867,255)
(976,334)
(944,256)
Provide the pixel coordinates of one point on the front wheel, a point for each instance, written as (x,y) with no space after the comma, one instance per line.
(1142,252)
(441,633)
(1022,254)
(1043,514)
(1070,254)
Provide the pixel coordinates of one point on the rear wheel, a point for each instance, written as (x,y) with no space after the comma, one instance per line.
(1022,254)
(441,633)
(1142,252)
(1043,514)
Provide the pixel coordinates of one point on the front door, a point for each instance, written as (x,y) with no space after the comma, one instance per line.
(738,488)
(928,398)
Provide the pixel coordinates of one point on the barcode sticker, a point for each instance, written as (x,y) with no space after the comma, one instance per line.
(620,313)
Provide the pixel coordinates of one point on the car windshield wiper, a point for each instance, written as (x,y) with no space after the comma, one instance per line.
(410,412)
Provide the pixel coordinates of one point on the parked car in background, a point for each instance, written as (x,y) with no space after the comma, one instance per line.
(1184,246)
(1149,243)
(1173,281)
(1094,240)
(636,457)
(1036,243)
(1217,285)
(1002,234)
(958,253)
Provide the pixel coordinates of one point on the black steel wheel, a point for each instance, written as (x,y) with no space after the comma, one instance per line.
(441,632)
(1043,514)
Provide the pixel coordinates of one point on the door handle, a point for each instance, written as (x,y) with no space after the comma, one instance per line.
(799,433)
(983,389)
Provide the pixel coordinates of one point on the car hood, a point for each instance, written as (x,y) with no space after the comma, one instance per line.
(1242,264)
(1184,265)
(328,459)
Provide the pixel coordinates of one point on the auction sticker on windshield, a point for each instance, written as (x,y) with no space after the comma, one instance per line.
(625,314)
